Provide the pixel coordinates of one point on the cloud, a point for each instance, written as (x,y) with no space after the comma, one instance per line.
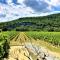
(56,8)
(14,9)
(55,2)
(3,1)
(15,2)
(38,6)
(2,15)
(9,1)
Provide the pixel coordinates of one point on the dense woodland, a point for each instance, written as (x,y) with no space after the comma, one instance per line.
(45,23)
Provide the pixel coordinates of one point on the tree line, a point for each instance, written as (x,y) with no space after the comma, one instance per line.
(44,23)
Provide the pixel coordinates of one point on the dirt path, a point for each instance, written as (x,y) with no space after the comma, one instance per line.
(18,53)
(22,48)
(17,49)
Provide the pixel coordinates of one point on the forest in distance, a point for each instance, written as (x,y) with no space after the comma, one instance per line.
(43,23)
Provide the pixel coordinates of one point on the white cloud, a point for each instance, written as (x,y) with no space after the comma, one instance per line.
(9,1)
(55,2)
(16,11)
(21,1)
(52,3)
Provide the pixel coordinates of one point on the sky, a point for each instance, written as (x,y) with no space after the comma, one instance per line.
(14,9)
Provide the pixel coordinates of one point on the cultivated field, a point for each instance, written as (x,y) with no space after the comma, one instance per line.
(51,37)
(49,41)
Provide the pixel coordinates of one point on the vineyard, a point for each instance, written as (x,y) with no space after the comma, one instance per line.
(14,38)
(5,37)
(51,37)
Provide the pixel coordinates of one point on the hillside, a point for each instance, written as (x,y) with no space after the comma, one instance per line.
(45,23)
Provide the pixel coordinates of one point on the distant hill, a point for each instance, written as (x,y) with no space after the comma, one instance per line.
(45,23)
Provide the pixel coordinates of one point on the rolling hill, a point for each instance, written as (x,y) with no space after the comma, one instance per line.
(43,23)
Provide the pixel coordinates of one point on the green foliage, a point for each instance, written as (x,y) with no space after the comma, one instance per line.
(51,37)
(6,48)
(1,51)
(46,23)
(5,38)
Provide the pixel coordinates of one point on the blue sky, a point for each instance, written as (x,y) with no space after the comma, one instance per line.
(14,9)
